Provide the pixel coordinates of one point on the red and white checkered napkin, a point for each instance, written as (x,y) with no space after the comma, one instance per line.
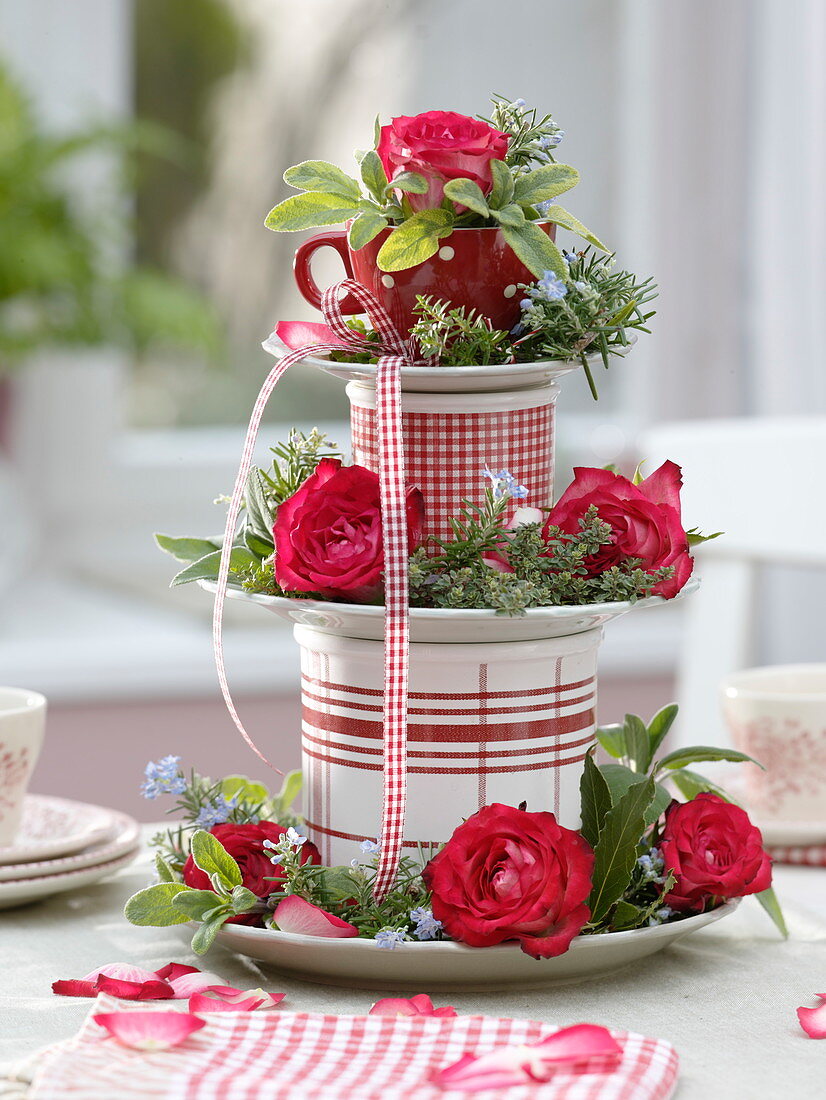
(809,855)
(305,1056)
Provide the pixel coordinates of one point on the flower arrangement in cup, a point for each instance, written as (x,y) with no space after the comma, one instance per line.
(507,874)
(312,528)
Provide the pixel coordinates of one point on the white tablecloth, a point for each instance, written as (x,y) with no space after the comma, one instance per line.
(725,997)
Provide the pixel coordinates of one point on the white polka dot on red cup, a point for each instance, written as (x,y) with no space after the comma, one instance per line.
(390,282)
(446,252)
(510,290)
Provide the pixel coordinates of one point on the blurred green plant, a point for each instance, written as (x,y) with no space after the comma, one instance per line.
(63,281)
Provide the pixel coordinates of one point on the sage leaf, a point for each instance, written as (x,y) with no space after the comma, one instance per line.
(205,935)
(659,726)
(415,240)
(502,191)
(153,906)
(620,780)
(290,790)
(469,194)
(195,904)
(637,744)
(535,249)
(694,754)
(690,784)
(320,175)
(206,569)
(768,899)
(165,872)
(595,800)
(544,183)
(242,899)
(560,216)
(364,228)
(213,859)
(309,211)
(259,511)
(612,739)
(408,181)
(185,549)
(616,851)
(511,214)
(242,788)
(261,548)
(373,175)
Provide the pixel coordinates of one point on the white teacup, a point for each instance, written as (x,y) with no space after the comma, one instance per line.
(777,715)
(22,724)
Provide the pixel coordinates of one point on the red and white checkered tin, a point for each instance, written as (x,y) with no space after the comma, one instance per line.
(487,722)
(450,437)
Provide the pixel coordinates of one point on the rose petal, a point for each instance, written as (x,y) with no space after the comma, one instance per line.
(125,971)
(577,1043)
(296,915)
(149,1030)
(155,990)
(813,1020)
(172,971)
(203,1002)
(420,1005)
(74,987)
(300,334)
(266,1000)
(186,984)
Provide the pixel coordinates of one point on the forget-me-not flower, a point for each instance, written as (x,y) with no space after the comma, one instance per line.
(162,777)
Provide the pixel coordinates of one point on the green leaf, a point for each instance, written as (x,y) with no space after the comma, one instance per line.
(469,194)
(243,899)
(637,745)
(535,249)
(768,899)
(213,859)
(207,567)
(319,175)
(165,872)
(696,537)
(261,548)
(595,799)
(205,935)
(364,228)
(186,549)
(290,790)
(560,216)
(415,240)
(511,214)
(239,786)
(310,210)
(377,131)
(153,906)
(620,780)
(612,739)
(502,191)
(258,508)
(616,852)
(195,904)
(373,175)
(696,753)
(659,726)
(337,882)
(690,784)
(626,916)
(408,181)
(544,183)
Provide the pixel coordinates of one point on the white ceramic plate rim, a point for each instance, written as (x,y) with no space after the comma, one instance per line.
(25,852)
(792,834)
(125,840)
(31,888)
(450,947)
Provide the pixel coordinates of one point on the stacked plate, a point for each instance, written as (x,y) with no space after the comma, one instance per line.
(61,845)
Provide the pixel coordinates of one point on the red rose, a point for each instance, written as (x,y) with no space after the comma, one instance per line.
(506,874)
(644,519)
(328,534)
(441,146)
(714,851)
(245,843)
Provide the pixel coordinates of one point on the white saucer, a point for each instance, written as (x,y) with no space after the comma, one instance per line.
(440,966)
(27,890)
(472,379)
(57,826)
(448,624)
(126,839)
(792,833)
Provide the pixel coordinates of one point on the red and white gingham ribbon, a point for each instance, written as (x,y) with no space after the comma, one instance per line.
(394,354)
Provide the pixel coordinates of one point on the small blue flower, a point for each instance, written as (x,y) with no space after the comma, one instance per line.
(526,303)
(369,846)
(551,287)
(569,256)
(544,207)
(519,103)
(427,927)
(661,916)
(162,778)
(216,813)
(295,838)
(504,483)
(389,938)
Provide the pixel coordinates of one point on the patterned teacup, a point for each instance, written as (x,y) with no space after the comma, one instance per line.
(22,724)
(778,715)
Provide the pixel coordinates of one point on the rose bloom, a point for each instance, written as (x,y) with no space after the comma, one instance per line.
(441,146)
(644,519)
(507,874)
(245,843)
(714,851)
(328,535)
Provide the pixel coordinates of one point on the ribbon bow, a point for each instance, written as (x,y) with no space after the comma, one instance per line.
(394,353)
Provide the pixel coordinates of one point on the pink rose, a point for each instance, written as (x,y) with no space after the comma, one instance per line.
(328,536)
(644,519)
(714,851)
(507,874)
(441,146)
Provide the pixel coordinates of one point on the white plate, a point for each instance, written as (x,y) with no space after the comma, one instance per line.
(472,379)
(792,833)
(436,967)
(26,890)
(126,838)
(57,826)
(448,624)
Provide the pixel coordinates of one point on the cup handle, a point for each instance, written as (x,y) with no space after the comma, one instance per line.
(333,238)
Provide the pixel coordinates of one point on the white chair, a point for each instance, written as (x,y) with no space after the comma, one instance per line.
(762,482)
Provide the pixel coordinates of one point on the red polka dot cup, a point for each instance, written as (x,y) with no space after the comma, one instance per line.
(474,268)
(22,724)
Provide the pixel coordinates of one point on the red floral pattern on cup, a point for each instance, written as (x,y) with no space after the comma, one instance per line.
(14,768)
(794,758)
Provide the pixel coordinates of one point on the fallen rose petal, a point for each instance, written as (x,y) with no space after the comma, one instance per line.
(813,1020)
(236,996)
(298,334)
(203,1002)
(172,971)
(582,1041)
(154,990)
(74,987)
(184,986)
(500,1069)
(125,972)
(294,914)
(420,1005)
(149,1030)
